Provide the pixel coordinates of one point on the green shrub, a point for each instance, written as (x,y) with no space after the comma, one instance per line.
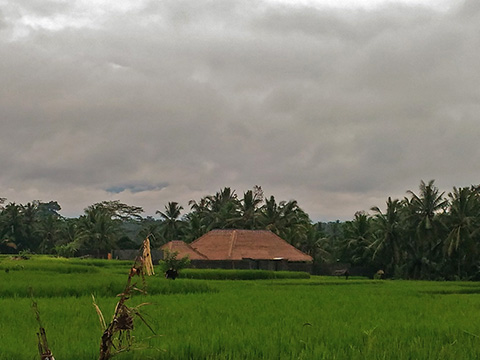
(221,274)
(170,261)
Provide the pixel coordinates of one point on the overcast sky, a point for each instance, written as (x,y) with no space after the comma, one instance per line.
(336,104)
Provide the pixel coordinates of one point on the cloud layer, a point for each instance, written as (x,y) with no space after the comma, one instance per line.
(149,102)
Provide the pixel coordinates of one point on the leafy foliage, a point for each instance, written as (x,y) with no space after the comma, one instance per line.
(171,261)
(426,235)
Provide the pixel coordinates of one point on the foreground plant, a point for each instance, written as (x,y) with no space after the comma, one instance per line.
(116,336)
(43,349)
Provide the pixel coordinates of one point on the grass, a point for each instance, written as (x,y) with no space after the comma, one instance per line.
(219,274)
(313,318)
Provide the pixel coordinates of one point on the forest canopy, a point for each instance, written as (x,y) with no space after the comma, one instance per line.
(429,234)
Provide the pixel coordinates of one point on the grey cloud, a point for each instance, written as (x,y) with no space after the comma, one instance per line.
(325,106)
(3,21)
(136,188)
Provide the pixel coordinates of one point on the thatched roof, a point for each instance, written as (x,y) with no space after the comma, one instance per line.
(246,244)
(183,250)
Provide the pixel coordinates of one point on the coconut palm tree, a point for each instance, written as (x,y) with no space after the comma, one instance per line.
(172,225)
(12,227)
(195,227)
(224,209)
(249,211)
(425,226)
(49,231)
(358,239)
(73,236)
(463,222)
(100,229)
(270,215)
(387,236)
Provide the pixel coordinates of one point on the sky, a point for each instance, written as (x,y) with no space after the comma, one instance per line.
(336,104)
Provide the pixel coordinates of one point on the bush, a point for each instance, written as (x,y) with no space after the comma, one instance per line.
(221,274)
(170,261)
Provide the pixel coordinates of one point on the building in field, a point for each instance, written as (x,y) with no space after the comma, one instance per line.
(242,249)
(183,249)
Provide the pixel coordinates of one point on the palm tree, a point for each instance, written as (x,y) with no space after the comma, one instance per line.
(249,210)
(72,238)
(29,213)
(172,225)
(101,230)
(150,228)
(270,215)
(463,222)
(224,209)
(49,224)
(358,239)
(294,223)
(387,235)
(49,231)
(425,224)
(315,244)
(427,205)
(12,226)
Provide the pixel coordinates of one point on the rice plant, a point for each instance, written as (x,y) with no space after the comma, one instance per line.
(313,318)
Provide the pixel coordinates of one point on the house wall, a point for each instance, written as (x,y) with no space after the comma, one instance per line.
(245,264)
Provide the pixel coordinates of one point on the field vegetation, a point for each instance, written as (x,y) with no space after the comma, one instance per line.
(277,318)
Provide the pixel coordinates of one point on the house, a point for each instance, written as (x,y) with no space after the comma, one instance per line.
(183,249)
(242,249)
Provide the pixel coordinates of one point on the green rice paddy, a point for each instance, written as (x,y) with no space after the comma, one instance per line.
(277,318)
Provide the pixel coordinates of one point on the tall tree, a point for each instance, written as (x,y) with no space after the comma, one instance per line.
(423,219)
(30,220)
(172,225)
(151,227)
(195,227)
(101,230)
(249,209)
(271,215)
(463,222)
(12,227)
(72,238)
(49,230)
(387,236)
(49,224)
(224,209)
(119,210)
(358,239)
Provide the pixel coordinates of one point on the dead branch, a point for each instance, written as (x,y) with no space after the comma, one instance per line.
(116,336)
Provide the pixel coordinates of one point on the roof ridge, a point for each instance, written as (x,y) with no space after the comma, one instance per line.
(196,251)
(233,239)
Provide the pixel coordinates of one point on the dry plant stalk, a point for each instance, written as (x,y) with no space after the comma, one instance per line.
(43,349)
(147,258)
(116,336)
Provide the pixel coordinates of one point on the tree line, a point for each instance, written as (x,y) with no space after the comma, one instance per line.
(38,227)
(426,235)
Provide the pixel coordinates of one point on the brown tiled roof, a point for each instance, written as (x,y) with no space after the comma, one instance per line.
(249,244)
(183,250)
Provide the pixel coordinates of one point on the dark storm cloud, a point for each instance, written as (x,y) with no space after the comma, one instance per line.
(170,101)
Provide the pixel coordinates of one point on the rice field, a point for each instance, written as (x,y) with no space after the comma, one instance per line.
(271,318)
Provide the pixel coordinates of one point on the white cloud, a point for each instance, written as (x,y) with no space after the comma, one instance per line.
(441,5)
